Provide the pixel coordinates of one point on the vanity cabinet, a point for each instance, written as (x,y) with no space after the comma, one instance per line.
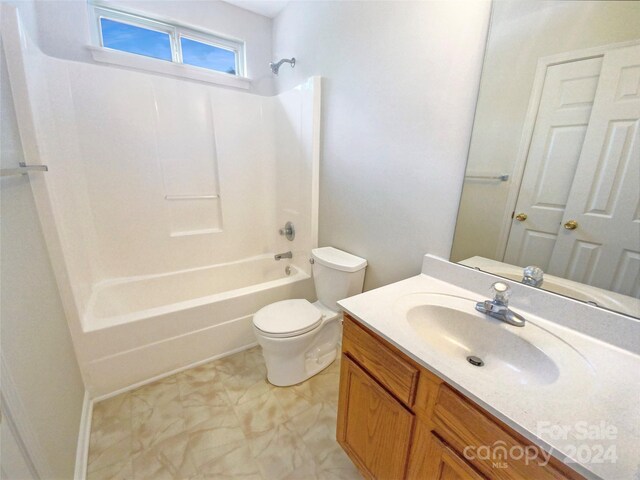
(376,427)
(397,420)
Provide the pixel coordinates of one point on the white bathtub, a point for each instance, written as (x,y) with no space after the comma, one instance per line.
(142,327)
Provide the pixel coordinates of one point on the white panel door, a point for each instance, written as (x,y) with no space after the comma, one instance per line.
(604,249)
(559,133)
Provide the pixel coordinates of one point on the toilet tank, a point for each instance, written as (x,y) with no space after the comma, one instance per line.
(336,275)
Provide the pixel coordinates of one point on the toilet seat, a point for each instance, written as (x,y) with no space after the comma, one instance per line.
(287,318)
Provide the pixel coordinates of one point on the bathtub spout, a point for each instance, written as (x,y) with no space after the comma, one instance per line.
(280,256)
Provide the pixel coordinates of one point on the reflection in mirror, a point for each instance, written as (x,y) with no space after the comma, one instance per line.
(553,175)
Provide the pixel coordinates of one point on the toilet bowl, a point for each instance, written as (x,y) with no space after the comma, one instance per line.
(300,339)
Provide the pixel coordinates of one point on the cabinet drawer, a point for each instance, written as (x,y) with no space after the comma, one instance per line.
(399,376)
(463,425)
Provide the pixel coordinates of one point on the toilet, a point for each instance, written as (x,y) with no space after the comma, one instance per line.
(300,339)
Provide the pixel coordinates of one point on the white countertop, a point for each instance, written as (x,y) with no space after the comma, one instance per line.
(608,396)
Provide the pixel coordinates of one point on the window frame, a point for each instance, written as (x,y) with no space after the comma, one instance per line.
(174,30)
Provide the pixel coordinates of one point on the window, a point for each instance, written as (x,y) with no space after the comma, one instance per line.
(173,43)
(133,39)
(206,55)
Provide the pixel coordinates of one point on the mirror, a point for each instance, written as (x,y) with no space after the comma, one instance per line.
(553,174)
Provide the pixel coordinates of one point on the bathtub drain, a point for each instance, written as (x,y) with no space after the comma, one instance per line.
(287,270)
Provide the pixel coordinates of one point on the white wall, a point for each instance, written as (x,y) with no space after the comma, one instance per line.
(399,88)
(63,28)
(522,31)
(35,342)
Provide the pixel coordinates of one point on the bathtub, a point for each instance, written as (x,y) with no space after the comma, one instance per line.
(143,327)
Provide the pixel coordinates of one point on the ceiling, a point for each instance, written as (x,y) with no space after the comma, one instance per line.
(268,8)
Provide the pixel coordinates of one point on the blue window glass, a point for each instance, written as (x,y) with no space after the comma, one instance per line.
(129,38)
(207,56)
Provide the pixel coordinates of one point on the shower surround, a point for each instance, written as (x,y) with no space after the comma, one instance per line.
(162,206)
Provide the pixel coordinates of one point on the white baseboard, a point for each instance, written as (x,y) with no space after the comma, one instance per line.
(84,433)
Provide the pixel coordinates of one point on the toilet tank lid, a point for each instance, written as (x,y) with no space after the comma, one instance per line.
(334,258)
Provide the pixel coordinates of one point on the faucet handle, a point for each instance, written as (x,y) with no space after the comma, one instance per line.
(533,272)
(288,231)
(501,293)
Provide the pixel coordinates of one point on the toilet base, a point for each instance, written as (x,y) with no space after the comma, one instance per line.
(293,360)
(311,369)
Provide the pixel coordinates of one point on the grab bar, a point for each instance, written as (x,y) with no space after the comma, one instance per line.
(23,169)
(191,197)
(502,177)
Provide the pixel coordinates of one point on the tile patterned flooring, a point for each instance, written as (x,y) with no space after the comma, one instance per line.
(221,420)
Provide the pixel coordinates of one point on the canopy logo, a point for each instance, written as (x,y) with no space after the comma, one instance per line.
(499,454)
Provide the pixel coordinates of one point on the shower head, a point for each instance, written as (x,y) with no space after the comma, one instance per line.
(276,66)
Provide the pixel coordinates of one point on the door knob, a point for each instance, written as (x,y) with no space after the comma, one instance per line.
(521,217)
(571,225)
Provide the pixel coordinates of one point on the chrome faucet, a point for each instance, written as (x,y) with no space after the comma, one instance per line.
(498,308)
(280,256)
(533,276)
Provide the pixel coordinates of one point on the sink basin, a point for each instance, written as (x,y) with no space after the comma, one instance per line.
(452,328)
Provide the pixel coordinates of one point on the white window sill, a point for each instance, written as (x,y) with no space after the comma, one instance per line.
(140,62)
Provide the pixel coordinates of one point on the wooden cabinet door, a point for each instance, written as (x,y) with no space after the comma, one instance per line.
(441,462)
(373,427)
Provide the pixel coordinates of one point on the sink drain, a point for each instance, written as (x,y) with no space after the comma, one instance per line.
(475,361)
